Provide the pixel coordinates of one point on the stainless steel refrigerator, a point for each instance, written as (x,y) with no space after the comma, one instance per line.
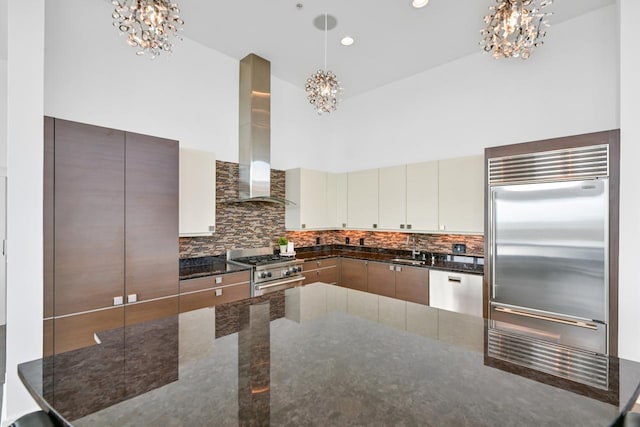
(548,257)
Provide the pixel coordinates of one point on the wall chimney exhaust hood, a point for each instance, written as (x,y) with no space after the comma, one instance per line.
(255,132)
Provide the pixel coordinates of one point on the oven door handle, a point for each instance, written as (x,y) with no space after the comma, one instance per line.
(280,283)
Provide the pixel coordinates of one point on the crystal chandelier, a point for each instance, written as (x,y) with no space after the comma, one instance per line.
(514,28)
(323,88)
(149,24)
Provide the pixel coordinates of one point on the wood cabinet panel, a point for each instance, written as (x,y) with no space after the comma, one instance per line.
(89,217)
(47,338)
(77,331)
(381,279)
(151,310)
(328,275)
(412,284)
(208,298)
(320,263)
(210,282)
(353,274)
(151,217)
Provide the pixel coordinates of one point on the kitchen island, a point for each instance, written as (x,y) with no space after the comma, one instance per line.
(312,355)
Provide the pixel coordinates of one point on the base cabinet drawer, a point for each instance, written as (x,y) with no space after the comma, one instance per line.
(324,275)
(208,282)
(212,297)
(457,292)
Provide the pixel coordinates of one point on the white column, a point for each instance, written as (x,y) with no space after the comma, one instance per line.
(629,300)
(25,102)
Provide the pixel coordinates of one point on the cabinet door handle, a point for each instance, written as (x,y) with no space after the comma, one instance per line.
(375,225)
(398,269)
(456,279)
(408,226)
(401,226)
(391,268)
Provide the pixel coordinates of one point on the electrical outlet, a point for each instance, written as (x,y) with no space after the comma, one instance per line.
(361,241)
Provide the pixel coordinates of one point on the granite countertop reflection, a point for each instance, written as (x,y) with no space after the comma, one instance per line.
(312,355)
(192,268)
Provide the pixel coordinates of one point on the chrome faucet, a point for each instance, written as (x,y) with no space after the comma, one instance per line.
(414,252)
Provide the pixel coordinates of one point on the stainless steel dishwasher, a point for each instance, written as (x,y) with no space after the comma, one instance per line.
(457,292)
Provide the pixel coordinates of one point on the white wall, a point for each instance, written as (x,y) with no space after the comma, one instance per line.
(629,181)
(92,76)
(568,86)
(3,116)
(24,201)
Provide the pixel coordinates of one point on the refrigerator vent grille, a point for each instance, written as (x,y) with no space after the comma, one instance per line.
(558,165)
(575,365)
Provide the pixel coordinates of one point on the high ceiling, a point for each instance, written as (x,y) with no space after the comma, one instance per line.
(392,39)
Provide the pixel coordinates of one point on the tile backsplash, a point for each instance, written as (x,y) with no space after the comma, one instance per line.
(239,225)
(253,225)
(441,243)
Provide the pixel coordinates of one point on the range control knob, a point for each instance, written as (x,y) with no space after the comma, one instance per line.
(286,273)
(268,274)
(299,269)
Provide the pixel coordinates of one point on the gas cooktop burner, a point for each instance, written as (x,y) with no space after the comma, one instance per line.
(261,260)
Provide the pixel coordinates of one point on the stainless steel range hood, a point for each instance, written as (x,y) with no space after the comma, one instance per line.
(255,132)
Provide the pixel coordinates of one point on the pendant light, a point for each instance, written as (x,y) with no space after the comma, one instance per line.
(323,88)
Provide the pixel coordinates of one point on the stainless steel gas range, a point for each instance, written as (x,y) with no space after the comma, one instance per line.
(269,272)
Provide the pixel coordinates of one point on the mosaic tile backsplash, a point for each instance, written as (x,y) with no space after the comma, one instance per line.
(239,225)
(253,225)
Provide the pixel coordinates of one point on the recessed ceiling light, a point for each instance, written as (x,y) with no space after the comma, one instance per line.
(347,41)
(419,3)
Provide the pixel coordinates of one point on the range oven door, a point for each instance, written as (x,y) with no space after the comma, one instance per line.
(276,285)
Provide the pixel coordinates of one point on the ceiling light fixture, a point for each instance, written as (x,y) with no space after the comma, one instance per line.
(149,24)
(347,41)
(514,28)
(419,3)
(323,88)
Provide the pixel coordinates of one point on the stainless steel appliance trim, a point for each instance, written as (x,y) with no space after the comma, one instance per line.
(280,282)
(542,313)
(456,279)
(556,165)
(565,362)
(548,318)
(243,253)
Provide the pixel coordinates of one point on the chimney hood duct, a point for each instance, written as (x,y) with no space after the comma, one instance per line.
(255,132)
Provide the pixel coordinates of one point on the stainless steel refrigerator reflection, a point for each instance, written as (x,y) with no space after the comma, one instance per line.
(549,250)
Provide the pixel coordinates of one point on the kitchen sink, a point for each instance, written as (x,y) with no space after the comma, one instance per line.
(408,261)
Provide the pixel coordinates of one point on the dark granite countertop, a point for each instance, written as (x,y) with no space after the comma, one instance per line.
(456,263)
(192,268)
(305,356)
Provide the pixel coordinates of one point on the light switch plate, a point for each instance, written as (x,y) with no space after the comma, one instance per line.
(218,280)
(218,292)
(117,300)
(132,298)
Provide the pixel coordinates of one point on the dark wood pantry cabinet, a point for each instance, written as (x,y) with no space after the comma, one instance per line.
(110,231)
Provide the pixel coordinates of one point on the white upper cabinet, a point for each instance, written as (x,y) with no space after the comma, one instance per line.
(461,195)
(422,196)
(197,193)
(337,200)
(362,199)
(308,190)
(392,203)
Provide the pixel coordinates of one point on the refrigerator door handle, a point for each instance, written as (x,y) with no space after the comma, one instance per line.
(580,324)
